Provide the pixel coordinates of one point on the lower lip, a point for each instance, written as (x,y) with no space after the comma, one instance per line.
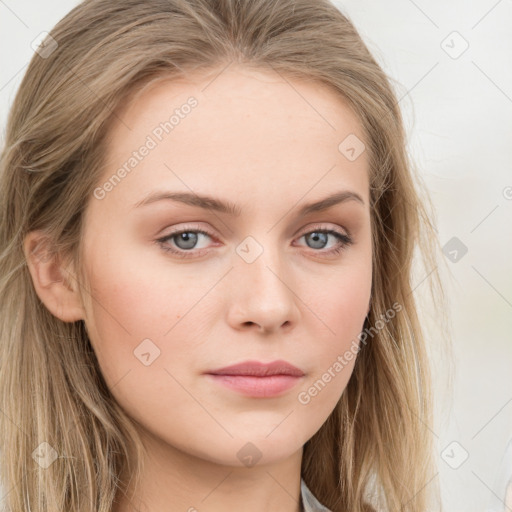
(262,387)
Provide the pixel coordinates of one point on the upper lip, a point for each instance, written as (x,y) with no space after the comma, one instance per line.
(257,369)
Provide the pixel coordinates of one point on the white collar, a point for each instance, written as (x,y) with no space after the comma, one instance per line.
(309,502)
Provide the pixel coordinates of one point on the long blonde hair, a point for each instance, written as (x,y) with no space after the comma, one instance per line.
(375,450)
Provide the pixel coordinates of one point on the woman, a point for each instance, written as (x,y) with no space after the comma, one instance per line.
(208,220)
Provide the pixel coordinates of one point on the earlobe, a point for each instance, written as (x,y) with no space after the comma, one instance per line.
(54,284)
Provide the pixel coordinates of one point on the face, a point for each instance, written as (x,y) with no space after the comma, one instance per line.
(180,287)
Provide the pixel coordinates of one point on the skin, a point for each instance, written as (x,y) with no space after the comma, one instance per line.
(269,145)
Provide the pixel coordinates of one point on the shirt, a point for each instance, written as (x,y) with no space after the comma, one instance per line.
(309,503)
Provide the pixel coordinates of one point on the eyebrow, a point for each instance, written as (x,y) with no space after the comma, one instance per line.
(211,203)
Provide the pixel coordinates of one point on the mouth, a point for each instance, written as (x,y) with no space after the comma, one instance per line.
(256,379)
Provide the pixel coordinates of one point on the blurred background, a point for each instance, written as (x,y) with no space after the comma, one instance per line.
(451,66)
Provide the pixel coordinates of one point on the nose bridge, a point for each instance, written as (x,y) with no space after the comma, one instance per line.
(262,291)
(259,259)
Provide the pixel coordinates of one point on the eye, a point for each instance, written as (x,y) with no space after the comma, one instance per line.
(319,239)
(185,241)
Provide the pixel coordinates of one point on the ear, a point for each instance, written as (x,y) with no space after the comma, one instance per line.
(54,284)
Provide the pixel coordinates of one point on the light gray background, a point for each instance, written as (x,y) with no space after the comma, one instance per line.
(458,112)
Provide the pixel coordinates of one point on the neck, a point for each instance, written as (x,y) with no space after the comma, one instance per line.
(174,481)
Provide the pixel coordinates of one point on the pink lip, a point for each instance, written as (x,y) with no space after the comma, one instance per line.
(256,379)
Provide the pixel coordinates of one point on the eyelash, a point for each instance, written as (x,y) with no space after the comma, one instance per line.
(344,241)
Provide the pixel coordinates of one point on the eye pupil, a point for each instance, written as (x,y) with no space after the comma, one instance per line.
(188,237)
(316,236)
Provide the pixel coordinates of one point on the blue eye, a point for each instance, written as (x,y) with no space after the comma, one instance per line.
(186,239)
(322,235)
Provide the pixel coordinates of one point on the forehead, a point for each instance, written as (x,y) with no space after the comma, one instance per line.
(247,126)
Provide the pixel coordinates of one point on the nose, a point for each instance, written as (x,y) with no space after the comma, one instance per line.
(262,295)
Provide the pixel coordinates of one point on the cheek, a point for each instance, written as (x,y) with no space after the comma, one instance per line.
(134,296)
(145,318)
(128,304)
(341,305)
(136,320)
